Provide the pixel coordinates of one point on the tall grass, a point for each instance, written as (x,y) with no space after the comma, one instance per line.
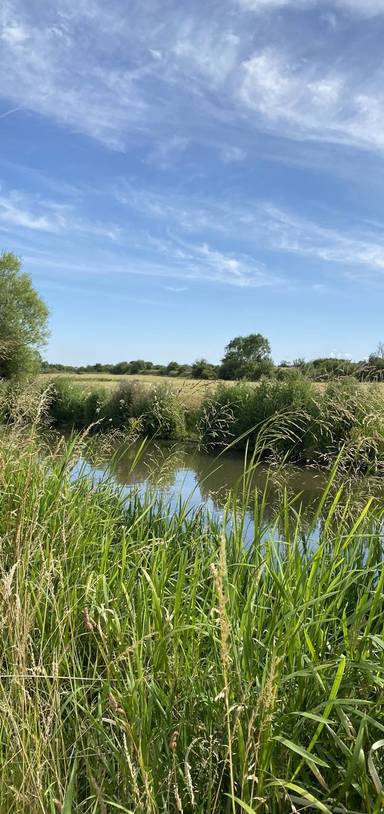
(299,423)
(292,418)
(151,663)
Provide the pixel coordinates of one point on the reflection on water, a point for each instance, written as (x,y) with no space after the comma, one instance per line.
(184,474)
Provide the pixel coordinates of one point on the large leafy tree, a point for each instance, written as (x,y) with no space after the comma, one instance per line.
(23,320)
(247,357)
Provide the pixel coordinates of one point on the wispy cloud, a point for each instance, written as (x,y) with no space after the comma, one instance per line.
(9,112)
(14,211)
(314,102)
(166,153)
(179,76)
(260,225)
(33,213)
(363,8)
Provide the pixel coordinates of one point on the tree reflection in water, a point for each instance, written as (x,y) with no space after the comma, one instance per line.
(184,474)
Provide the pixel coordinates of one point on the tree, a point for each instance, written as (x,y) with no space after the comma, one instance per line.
(23,320)
(247,357)
(172,369)
(136,366)
(202,369)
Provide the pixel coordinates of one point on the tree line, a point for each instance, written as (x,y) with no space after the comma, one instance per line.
(237,365)
(23,332)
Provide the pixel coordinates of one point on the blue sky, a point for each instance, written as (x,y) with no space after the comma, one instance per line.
(174,174)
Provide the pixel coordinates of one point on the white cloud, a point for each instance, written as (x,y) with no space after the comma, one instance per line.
(19,210)
(179,238)
(14,34)
(231,154)
(307,101)
(259,225)
(363,8)
(194,266)
(9,112)
(174,75)
(268,5)
(166,153)
(212,51)
(14,212)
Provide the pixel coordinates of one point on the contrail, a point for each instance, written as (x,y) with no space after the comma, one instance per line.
(8,112)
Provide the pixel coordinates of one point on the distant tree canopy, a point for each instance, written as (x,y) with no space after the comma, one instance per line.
(23,320)
(247,357)
(202,369)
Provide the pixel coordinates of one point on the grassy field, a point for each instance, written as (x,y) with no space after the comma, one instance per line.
(152,665)
(190,391)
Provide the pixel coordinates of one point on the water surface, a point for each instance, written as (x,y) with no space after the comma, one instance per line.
(184,474)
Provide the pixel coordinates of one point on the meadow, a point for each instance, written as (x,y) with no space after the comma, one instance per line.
(152,663)
(191,392)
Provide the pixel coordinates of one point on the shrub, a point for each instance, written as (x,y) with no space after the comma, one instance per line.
(281,410)
(67,403)
(120,407)
(161,413)
(95,406)
(351,416)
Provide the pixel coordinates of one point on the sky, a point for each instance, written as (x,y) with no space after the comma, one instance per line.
(174,173)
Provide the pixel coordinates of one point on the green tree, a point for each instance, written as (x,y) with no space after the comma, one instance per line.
(23,320)
(202,369)
(136,366)
(247,357)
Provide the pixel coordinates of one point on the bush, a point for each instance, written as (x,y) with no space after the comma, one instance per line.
(351,416)
(158,410)
(67,403)
(202,369)
(291,417)
(161,413)
(71,406)
(281,410)
(120,407)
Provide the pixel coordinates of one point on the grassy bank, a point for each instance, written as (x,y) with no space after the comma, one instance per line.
(293,418)
(149,663)
(190,392)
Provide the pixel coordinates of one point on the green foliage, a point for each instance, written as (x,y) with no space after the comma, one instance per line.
(158,410)
(280,410)
(289,415)
(70,406)
(120,407)
(351,416)
(247,357)
(23,320)
(202,369)
(294,419)
(151,663)
(161,413)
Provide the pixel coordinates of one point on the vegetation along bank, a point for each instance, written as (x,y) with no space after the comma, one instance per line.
(152,663)
(292,419)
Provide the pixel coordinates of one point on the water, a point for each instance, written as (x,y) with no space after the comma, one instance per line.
(182,473)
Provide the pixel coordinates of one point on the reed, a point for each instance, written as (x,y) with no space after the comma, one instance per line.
(152,663)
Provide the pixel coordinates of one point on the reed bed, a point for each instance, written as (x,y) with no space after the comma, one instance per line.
(313,426)
(150,662)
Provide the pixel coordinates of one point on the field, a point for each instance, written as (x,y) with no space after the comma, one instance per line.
(190,391)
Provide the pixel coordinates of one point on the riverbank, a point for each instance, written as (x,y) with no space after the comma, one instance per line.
(290,420)
(150,663)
